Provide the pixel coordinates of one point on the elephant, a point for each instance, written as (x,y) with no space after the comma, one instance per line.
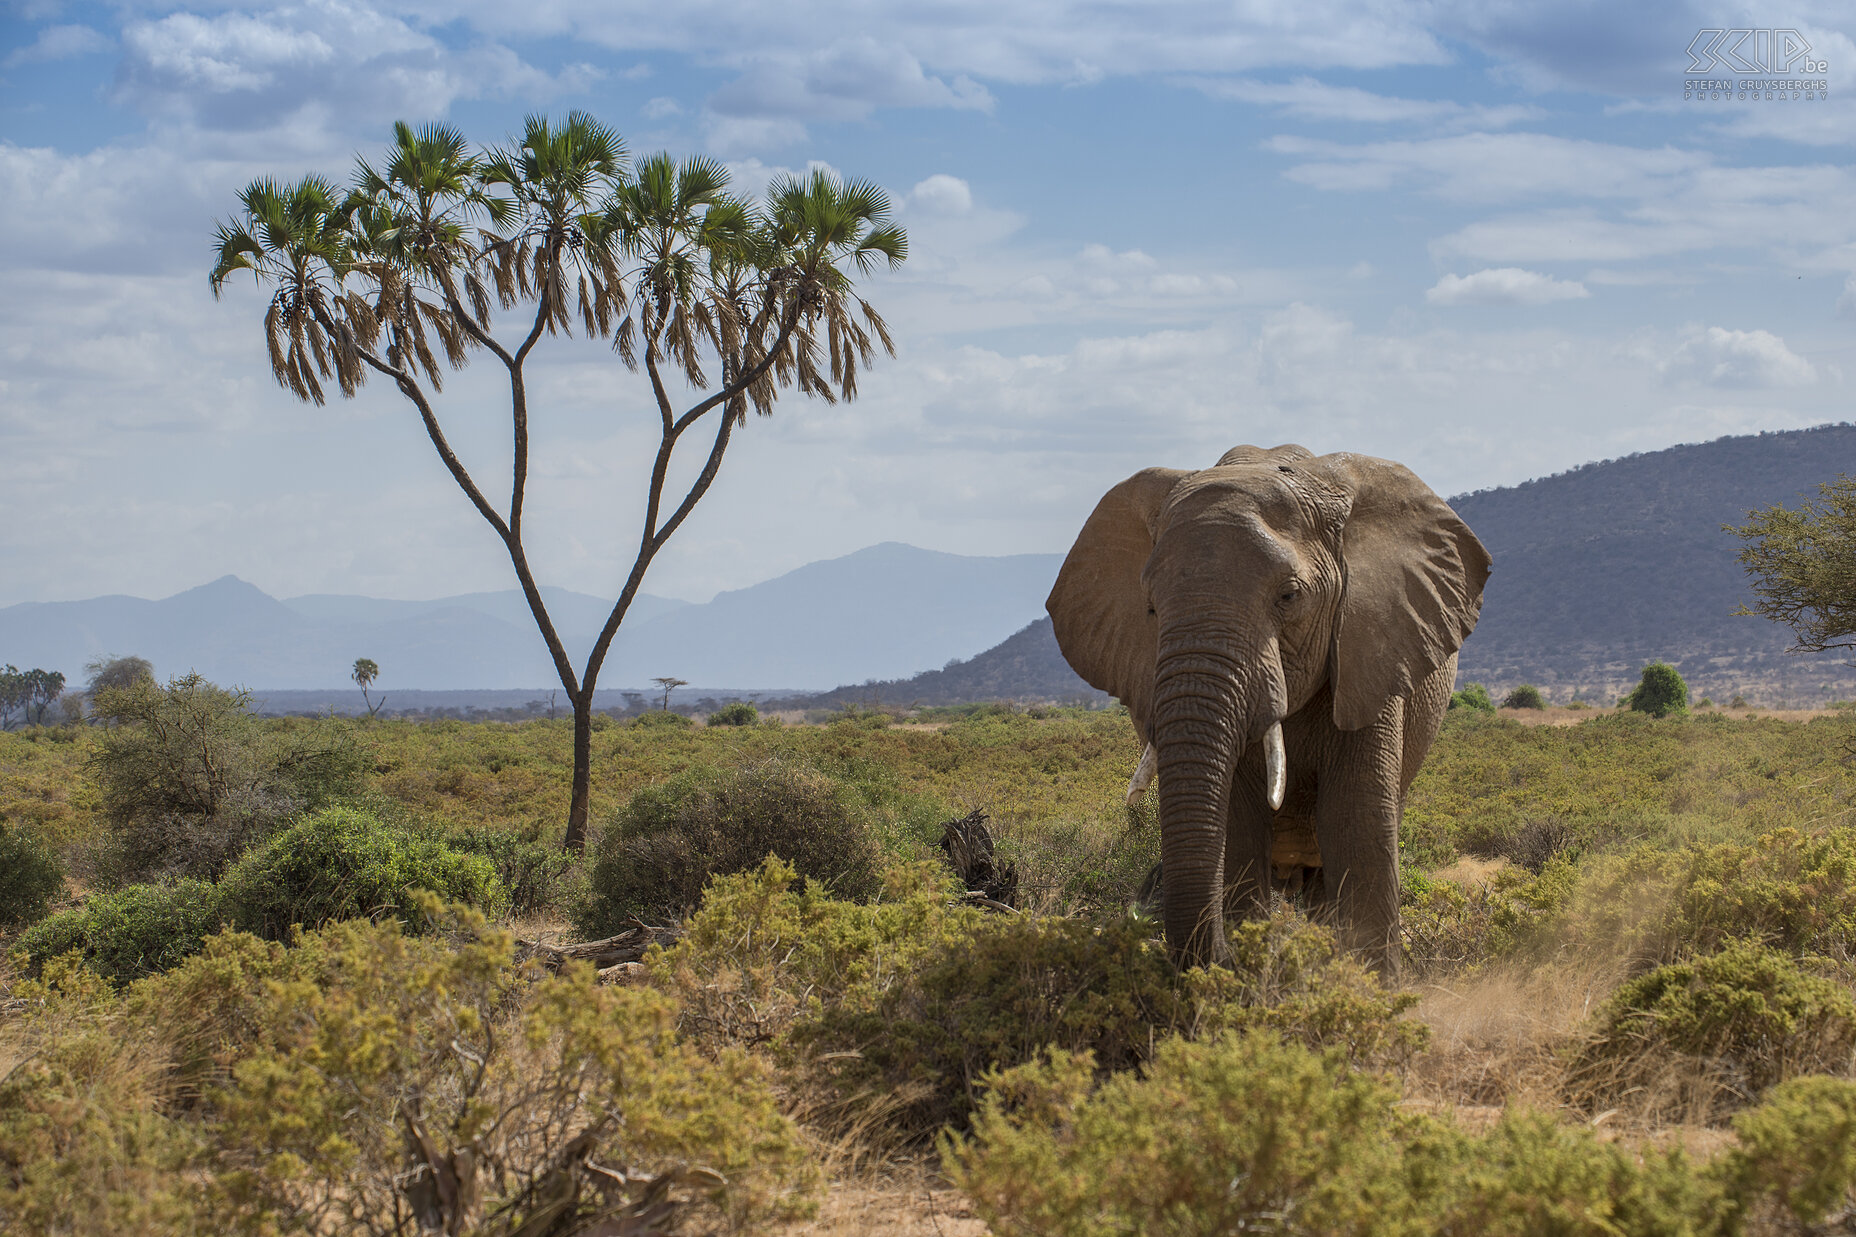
(1283,629)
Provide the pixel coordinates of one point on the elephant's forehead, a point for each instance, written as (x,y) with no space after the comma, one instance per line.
(1240,496)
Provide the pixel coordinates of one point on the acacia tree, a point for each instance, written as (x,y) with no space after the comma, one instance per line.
(730,300)
(1803,564)
(669,684)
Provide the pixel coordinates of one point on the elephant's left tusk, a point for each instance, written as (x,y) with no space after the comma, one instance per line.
(1143,776)
(1275,766)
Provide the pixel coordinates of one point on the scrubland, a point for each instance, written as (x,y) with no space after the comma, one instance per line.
(1627,1004)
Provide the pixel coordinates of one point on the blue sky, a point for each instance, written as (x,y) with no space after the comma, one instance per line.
(1492,241)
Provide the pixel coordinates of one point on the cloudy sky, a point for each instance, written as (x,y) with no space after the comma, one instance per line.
(1493,240)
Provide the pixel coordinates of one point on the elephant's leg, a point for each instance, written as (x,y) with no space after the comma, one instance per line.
(1356,822)
(1249,835)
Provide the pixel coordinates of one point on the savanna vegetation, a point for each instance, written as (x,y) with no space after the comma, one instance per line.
(314,982)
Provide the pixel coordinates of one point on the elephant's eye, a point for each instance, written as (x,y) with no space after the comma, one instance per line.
(1290,593)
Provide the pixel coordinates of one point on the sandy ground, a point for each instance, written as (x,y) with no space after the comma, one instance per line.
(909,1203)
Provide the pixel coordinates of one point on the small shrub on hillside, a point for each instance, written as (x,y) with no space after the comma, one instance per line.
(1660,692)
(659,851)
(30,877)
(531,867)
(736,713)
(1526,696)
(343,863)
(190,779)
(1691,1038)
(1473,696)
(128,933)
(660,718)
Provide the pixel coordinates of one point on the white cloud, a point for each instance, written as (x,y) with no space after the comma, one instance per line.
(59,43)
(1505,285)
(1846,300)
(660,107)
(1592,201)
(1307,98)
(1719,357)
(324,68)
(942,194)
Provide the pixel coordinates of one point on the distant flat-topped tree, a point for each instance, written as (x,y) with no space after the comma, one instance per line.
(401,275)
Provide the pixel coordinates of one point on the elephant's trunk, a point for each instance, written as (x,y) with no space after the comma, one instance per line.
(1211,702)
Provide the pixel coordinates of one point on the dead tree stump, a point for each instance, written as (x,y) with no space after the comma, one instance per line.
(967,843)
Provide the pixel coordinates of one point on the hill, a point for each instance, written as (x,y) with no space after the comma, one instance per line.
(1609,566)
(1026,667)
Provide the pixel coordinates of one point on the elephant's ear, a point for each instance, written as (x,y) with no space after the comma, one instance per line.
(1414,575)
(1098,607)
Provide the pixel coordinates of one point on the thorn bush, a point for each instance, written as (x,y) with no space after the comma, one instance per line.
(345,863)
(31,876)
(1526,696)
(1660,692)
(657,853)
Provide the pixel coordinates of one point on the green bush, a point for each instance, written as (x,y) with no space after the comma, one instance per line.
(1693,1037)
(366,1081)
(30,877)
(1660,692)
(1797,1154)
(1526,696)
(736,713)
(1473,696)
(190,779)
(658,852)
(343,863)
(661,717)
(1792,891)
(1228,1136)
(131,932)
(531,866)
(1245,1133)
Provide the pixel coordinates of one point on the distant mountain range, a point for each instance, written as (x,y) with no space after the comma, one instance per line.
(882,612)
(1597,571)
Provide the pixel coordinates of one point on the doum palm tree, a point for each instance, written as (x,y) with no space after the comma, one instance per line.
(365,672)
(722,302)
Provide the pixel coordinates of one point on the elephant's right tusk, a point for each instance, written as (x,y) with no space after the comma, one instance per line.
(1143,776)
(1275,766)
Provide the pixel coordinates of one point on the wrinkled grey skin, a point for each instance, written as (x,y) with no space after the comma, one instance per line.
(1327,594)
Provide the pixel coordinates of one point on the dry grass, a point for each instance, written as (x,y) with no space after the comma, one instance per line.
(1500,1036)
(903,1199)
